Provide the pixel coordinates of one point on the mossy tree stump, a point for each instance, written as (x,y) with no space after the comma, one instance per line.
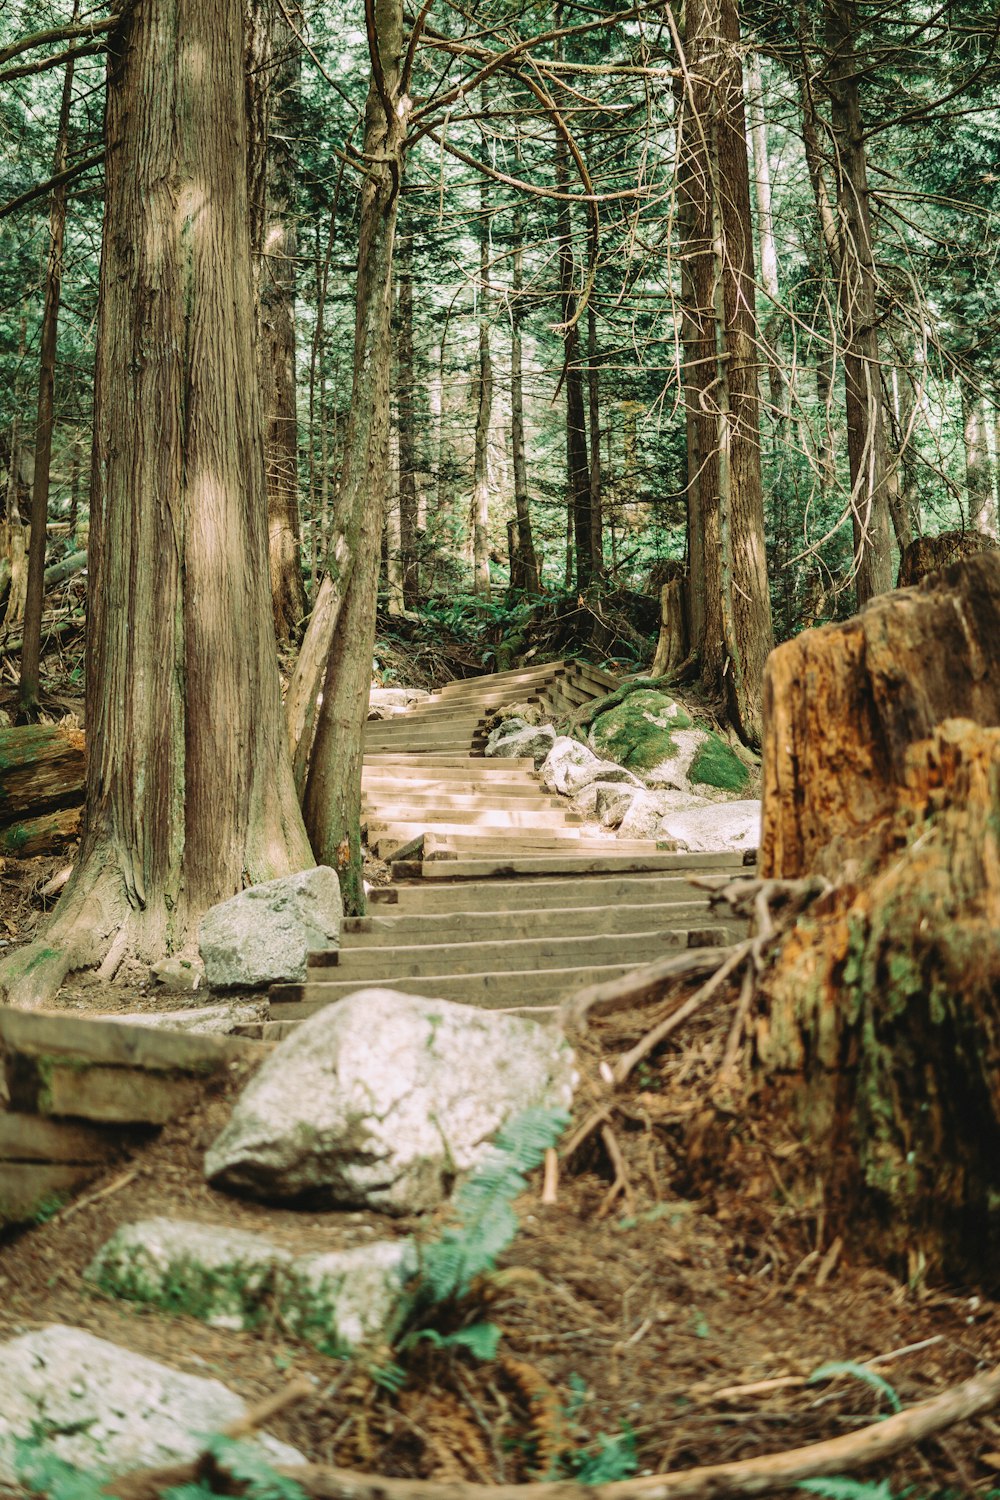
(878,1029)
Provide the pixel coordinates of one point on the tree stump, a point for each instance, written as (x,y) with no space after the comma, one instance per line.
(878,1030)
(928,554)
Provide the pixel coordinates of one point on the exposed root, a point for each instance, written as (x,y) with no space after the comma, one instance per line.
(85,925)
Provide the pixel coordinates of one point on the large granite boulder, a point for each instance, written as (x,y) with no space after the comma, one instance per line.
(570,766)
(644,816)
(100,1407)
(231,1279)
(514,739)
(380,1101)
(720,828)
(264,934)
(656,738)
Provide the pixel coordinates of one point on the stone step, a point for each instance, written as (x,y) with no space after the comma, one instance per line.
(492,991)
(391,966)
(382,928)
(605,890)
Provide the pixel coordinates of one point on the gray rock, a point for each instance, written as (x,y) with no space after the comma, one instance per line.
(396,697)
(205,1020)
(98,1406)
(525,740)
(230,1279)
(221,1276)
(181,971)
(265,933)
(379,1101)
(722,827)
(647,810)
(570,766)
(346,1296)
(612,797)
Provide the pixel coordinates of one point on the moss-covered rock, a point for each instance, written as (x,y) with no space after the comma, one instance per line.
(640,731)
(716,764)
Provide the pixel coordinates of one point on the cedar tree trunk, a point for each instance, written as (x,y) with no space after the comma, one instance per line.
(189,791)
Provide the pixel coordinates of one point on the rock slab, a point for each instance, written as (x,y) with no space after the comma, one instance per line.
(514,739)
(264,934)
(98,1406)
(382,1099)
(721,828)
(231,1279)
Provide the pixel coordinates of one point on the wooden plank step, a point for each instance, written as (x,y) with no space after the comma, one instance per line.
(392,965)
(470,795)
(387,925)
(490,991)
(491,774)
(428,758)
(105,1071)
(541,891)
(570,864)
(392,814)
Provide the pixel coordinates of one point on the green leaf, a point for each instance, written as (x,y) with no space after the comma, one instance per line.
(839,1487)
(246,1462)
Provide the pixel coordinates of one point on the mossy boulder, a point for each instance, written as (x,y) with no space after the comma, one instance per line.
(655,737)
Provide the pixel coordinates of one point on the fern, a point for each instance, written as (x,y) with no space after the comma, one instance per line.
(615,1459)
(484,1225)
(859,1372)
(486,1222)
(839,1487)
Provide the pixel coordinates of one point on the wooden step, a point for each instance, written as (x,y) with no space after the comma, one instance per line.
(394,965)
(488,991)
(569,864)
(454,758)
(474,800)
(540,892)
(393,814)
(386,925)
(475,771)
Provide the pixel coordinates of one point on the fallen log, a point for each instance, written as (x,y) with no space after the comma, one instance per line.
(748,1476)
(41,787)
(877,1032)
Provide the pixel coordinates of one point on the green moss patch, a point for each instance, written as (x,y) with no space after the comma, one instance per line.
(638,732)
(715,764)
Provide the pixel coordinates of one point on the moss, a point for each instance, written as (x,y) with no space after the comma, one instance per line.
(638,732)
(715,764)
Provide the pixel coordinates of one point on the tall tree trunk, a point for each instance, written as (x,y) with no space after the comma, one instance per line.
(189,790)
(273,69)
(978,478)
(31,648)
(406,385)
(527,561)
(866,446)
(336,656)
(484,407)
(765,242)
(720,330)
(577,464)
(594,412)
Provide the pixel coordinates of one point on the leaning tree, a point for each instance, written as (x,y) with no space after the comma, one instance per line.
(189,786)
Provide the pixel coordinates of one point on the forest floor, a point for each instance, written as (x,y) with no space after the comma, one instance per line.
(667,1310)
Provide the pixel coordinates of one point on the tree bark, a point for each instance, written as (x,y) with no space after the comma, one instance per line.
(731,604)
(594,413)
(580,527)
(406,386)
(527,561)
(31,648)
(879,1012)
(336,655)
(189,791)
(978,478)
(866,447)
(273,63)
(484,407)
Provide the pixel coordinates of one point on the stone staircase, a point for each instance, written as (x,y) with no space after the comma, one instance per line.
(501,897)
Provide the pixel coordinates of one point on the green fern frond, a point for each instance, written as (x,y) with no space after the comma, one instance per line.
(858,1372)
(839,1487)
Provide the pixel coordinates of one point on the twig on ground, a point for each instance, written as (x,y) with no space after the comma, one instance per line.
(652,1039)
(747,1476)
(104,1192)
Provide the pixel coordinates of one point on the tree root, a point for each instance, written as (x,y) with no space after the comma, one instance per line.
(87,923)
(749,1476)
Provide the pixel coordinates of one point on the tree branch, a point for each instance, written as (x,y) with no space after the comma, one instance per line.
(59,34)
(24,70)
(43,188)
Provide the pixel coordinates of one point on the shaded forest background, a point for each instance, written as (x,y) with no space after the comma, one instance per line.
(502,232)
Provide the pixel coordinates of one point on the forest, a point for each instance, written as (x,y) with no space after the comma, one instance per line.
(536,363)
